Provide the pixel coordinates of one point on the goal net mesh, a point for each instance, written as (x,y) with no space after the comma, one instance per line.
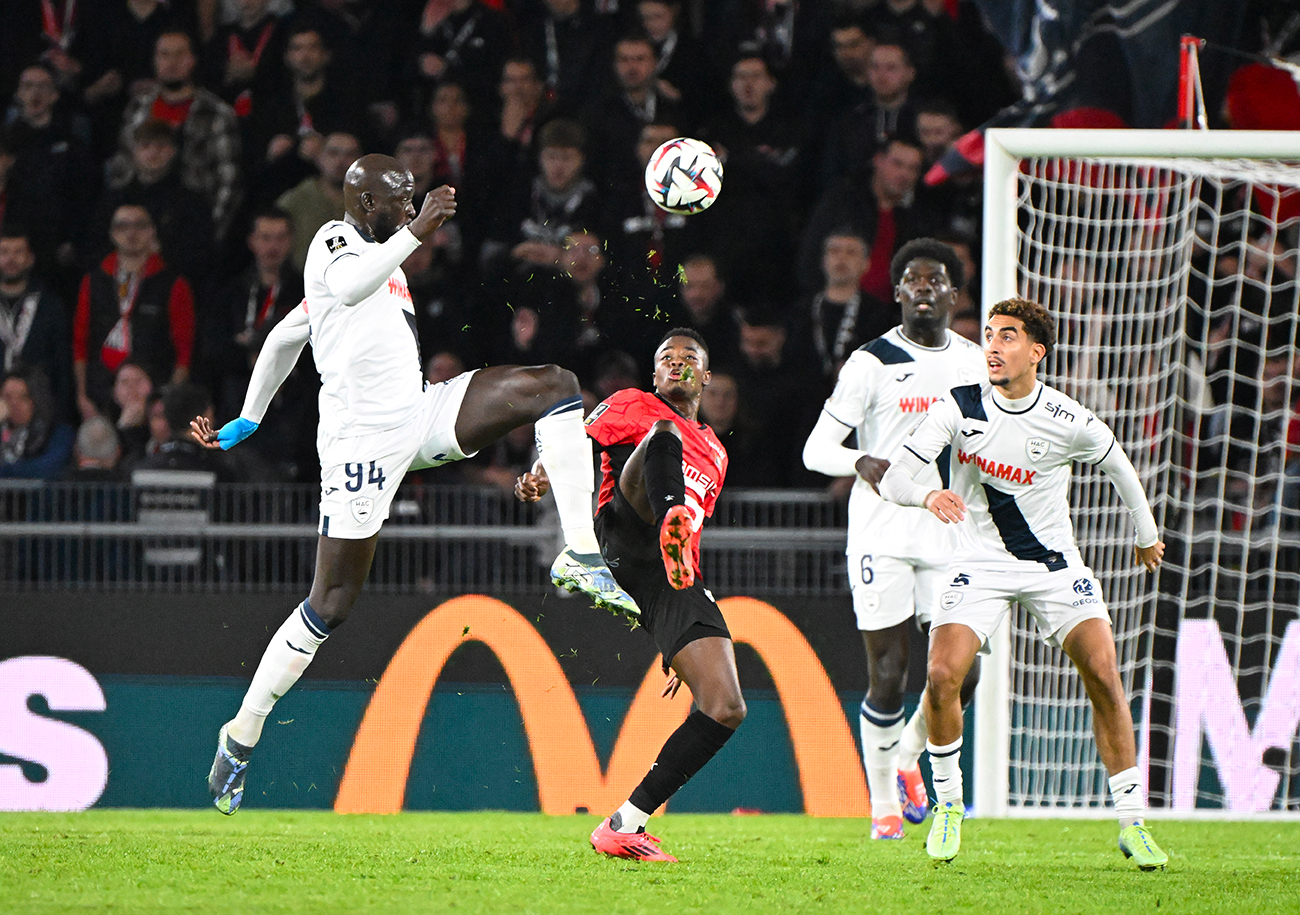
(1173,282)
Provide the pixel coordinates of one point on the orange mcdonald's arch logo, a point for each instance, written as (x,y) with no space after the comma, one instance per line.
(564,759)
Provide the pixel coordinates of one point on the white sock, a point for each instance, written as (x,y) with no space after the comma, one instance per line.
(1129,796)
(945,764)
(912,744)
(291,650)
(880,732)
(565,451)
(633,817)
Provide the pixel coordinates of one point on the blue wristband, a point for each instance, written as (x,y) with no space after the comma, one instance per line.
(234,432)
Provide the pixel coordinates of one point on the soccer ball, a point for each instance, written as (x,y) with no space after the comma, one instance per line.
(684,176)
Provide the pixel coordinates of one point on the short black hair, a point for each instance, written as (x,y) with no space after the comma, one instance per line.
(15,229)
(638,34)
(271,212)
(930,249)
(562,133)
(38,389)
(305,24)
(154,130)
(181,403)
(684,332)
(175,28)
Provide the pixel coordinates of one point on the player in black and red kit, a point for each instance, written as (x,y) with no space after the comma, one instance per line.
(662,471)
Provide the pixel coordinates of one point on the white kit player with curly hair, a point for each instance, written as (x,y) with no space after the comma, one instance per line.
(1012,443)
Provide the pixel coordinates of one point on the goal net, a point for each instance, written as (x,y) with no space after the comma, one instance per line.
(1169,261)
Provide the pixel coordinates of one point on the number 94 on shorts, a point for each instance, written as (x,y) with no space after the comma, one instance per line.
(355,497)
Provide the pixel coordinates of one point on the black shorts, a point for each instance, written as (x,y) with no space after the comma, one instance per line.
(673,618)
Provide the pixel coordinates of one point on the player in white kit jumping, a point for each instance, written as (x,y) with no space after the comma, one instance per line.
(1013,441)
(379,419)
(897,556)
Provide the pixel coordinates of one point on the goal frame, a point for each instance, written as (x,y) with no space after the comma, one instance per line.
(1003,150)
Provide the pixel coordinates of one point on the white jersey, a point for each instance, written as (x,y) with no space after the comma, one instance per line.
(882,392)
(362,331)
(1010,463)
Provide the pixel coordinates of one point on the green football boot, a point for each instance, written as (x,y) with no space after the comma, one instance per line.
(1135,842)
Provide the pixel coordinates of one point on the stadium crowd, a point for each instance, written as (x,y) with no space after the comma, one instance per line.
(163,166)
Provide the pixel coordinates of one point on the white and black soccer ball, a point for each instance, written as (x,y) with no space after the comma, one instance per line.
(684,176)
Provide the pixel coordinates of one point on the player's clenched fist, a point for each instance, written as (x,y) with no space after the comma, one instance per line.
(439,206)
(532,485)
(946,505)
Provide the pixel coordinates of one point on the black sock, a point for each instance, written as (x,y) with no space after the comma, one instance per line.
(684,753)
(664,484)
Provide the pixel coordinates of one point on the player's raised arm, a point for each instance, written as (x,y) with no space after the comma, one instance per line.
(276,359)
(376,206)
(936,431)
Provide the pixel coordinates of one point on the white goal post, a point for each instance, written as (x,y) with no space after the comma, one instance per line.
(1170,267)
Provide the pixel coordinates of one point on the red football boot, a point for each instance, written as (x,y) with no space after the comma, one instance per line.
(640,846)
(912,794)
(675,545)
(887,828)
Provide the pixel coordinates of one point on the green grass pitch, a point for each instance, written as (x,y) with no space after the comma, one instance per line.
(147,861)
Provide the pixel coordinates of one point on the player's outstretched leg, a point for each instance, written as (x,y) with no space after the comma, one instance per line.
(502,398)
(1091,646)
(341,569)
(708,667)
(653,484)
(665,490)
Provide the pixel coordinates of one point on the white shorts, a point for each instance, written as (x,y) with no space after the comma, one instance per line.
(888,590)
(1058,601)
(359,475)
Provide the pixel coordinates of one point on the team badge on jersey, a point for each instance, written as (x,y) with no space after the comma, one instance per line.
(338,241)
(950,599)
(361,509)
(1037,449)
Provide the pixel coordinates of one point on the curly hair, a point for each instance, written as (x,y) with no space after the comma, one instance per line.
(1039,324)
(930,249)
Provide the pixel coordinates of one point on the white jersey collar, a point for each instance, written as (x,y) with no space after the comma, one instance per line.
(1020,405)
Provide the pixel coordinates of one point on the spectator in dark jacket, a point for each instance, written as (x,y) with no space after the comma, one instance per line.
(207,127)
(34,445)
(181,215)
(181,403)
(51,150)
(131,307)
(33,325)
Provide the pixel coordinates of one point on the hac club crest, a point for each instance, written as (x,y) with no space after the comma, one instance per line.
(361,509)
(1037,449)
